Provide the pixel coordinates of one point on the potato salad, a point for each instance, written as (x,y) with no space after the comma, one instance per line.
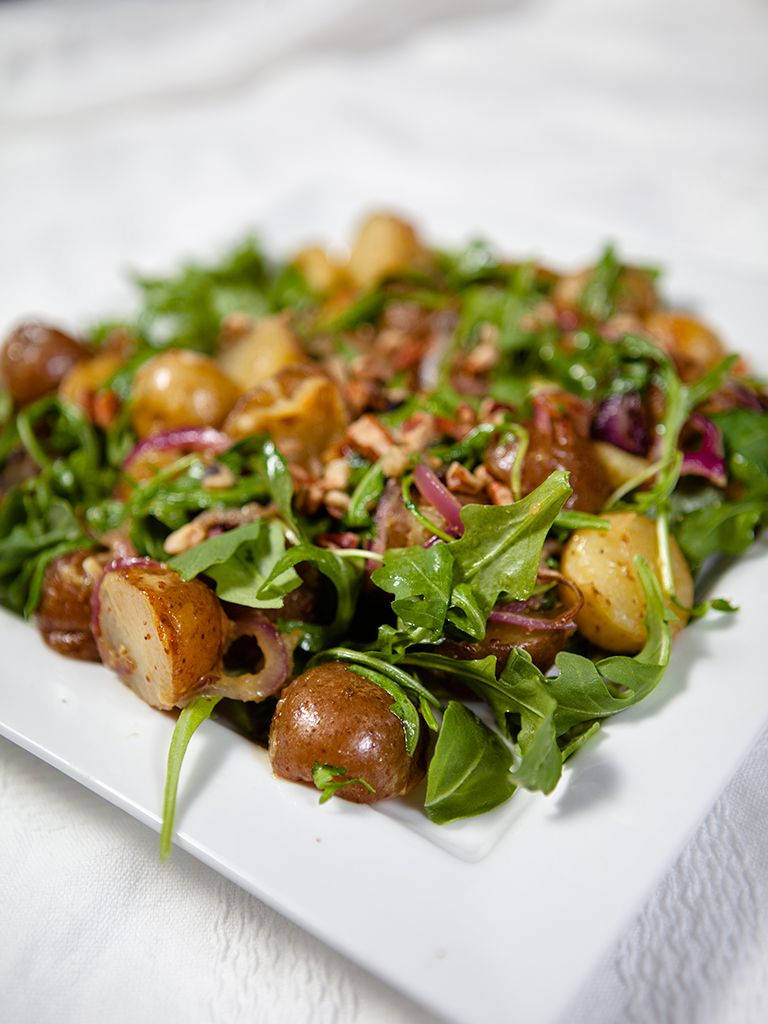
(418,520)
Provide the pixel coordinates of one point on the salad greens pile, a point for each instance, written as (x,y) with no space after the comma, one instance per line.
(502,353)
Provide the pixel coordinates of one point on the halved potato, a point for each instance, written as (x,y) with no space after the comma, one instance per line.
(601,564)
(163,636)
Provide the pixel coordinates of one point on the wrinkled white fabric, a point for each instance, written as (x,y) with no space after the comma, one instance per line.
(135,132)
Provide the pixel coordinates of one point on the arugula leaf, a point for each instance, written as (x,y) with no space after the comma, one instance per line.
(329,779)
(599,295)
(277,476)
(240,561)
(365,495)
(501,547)
(190,719)
(344,576)
(726,528)
(470,770)
(420,579)
(745,433)
(573,740)
(587,690)
(522,691)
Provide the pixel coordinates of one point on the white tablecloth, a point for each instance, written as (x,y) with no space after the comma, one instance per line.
(132,132)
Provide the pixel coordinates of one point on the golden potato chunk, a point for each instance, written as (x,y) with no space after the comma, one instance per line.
(383,246)
(85,378)
(179,388)
(321,272)
(693,346)
(601,564)
(267,346)
(619,466)
(300,408)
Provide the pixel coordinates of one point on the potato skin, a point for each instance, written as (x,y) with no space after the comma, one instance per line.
(163,636)
(34,359)
(601,564)
(179,388)
(332,715)
(64,612)
(559,439)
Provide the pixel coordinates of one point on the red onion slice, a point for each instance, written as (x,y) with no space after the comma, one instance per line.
(708,460)
(438,495)
(194,439)
(620,420)
(278,662)
(514,613)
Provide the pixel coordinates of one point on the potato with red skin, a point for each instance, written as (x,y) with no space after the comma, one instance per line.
(559,439)
(35,358)
(64,612)
(332,715)
(163,636)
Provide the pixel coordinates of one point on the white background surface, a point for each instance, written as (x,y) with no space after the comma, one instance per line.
(133,132)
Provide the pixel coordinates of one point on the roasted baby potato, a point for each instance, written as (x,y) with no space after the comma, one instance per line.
(267,346)
(321,272)
(163,636)
(619,466)
(693,346)
(86,377)
(64,612)
(601,564)
(383,246)
(179,388)
(301,408)
(35,358)
(331,715)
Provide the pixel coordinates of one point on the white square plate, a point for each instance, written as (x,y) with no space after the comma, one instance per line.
(501,917)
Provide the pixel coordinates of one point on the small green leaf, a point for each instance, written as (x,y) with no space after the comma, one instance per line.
(420,579)
(190,719)
(470,770)
(329,779)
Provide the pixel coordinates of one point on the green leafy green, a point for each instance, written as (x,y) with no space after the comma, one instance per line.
(470,770)
(365,495)
(501,546)
(344,576)
(190,719)
(329,779)
(745,433)
(727,528)
(420,579)
(586,690)
(240,561)
(598,298)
